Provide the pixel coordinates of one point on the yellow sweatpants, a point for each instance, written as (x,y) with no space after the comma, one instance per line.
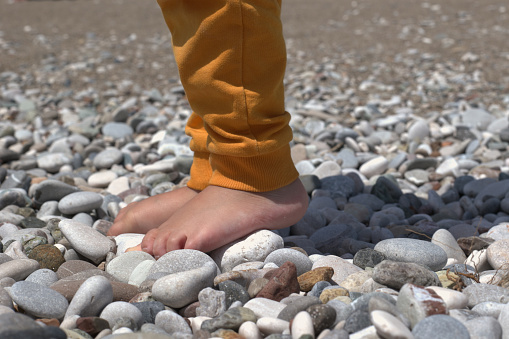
(231,58)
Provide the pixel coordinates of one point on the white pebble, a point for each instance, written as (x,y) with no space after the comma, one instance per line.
(302,324)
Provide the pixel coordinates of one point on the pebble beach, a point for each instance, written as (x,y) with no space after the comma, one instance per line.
(400,115)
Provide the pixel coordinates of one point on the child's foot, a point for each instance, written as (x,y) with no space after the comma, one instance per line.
(220,215)
(142,216)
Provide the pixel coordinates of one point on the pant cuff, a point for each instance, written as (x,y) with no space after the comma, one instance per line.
(260,173)
(201,171)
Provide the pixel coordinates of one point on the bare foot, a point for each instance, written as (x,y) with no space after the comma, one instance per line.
(220,215)
(142,216)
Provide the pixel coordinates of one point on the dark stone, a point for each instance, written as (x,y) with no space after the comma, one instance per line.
(17,325)
(48,256)
(149,309)
(233,291)
(490,205)
(323,316)
(361,212)
(396,274)
(451,195)
(474,187)
(463,231)
(357,321)
(230,320)
(474,243)
(318,288)
(359,184)
(386,190)
(368,257)
(460,182)
(339,186)
(370,200)
(410,204)
(297,305)
(32,222)
(282,282)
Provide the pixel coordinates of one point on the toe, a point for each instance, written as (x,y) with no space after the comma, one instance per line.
(147,243)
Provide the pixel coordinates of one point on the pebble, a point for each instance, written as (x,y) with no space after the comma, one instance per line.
(302,325)
(498,254)
(300,260)
(388,326)
(48,304)
(77,202)
(180,289)
(91,297)
(171,322)
(414,251)
(119,310)
(86,241)
(395,274)
(448,327)
(122,266)
(254,247)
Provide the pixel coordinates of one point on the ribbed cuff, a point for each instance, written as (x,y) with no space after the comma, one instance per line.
(201,172)
(260,173)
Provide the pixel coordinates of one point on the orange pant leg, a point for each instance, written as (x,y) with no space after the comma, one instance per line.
(231,57)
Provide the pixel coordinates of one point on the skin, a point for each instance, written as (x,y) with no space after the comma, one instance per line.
(210,219)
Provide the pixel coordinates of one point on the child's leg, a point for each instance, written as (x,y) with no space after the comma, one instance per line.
(231,57)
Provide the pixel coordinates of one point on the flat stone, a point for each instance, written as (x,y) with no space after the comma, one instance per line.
(102,179)
(38,300)
(107,158)
(52,190)
(18,269)
(86,241)
(413,251)
(117,130)
(43,276)
(182,288)
(265,307)
(80,202)
(395,274)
